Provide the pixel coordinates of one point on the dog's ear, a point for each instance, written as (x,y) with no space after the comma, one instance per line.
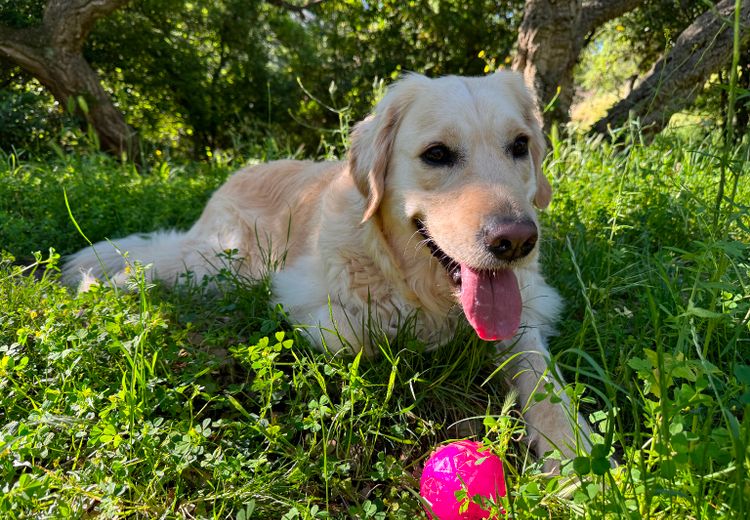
(537,147)
(537,143)
(372,142)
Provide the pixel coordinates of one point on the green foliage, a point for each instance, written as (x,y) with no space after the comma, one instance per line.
(21,14)
(140,397)
(608,64)
(201,77)
(205,403)
(651,30)
(198,76)
(109,199)
(28,118)
(655,287)
(199,71)
(363,40)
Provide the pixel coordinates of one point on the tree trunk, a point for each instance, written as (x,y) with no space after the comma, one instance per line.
(547,52)
(742,125)
(550,40)
(676,79)
(53,54)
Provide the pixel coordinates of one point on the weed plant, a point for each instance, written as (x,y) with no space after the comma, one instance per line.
(198,403)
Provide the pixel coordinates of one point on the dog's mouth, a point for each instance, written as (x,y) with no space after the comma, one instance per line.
(451,266)
(491,299)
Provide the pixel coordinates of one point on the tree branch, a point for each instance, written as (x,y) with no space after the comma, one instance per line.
(677,77)
(70,21)
(595,13)
(16,46)
(52,53)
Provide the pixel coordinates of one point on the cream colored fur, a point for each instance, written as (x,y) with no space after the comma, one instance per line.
(346,233)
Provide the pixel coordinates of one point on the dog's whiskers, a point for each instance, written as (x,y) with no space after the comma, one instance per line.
(423,242)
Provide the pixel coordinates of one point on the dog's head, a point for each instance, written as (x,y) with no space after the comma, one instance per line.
(458,161)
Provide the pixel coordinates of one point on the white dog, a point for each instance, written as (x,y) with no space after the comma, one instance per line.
(432,216)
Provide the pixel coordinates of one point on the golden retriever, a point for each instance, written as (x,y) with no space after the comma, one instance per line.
(432,216)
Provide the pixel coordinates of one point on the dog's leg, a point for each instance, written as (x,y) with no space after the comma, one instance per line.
(551,425)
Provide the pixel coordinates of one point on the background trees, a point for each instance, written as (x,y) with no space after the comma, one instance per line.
(551,37)
(678,77)
(196,76)
(46,41)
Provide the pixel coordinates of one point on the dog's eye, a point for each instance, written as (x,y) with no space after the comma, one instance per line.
(438,155)
(520,147)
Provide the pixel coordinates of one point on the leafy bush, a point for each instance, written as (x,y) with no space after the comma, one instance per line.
(108,199)
(28,118)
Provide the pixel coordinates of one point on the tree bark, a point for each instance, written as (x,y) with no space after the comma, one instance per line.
(53,53)
(550,40)
(743,107)
(676,79)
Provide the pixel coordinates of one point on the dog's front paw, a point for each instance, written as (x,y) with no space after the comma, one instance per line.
(553,429)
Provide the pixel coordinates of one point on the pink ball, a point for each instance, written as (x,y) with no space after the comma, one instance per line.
(458,462)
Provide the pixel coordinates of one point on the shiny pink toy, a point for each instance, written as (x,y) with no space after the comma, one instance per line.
(456,465)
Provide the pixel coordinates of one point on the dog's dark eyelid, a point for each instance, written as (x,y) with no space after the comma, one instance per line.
(439,155)
(519,148)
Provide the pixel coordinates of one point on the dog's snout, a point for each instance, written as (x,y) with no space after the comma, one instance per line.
(510,240)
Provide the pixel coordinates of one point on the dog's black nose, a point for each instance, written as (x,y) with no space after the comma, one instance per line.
(510,240)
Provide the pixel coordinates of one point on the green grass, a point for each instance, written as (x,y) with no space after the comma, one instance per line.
(187,403)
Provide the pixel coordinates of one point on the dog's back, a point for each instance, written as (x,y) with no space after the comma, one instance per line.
(251,214)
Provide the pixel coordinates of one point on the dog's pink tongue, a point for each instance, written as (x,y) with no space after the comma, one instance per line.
(491,302)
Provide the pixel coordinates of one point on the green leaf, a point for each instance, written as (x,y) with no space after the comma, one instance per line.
(599,451)
(701,312)
(668,468)
(238,406)
(83,105)
(591,490)
(676,427)
(582,465)
(600,466)
(639,364)
(742,373)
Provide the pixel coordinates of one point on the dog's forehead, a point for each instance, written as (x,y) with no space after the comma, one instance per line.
(462,106)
